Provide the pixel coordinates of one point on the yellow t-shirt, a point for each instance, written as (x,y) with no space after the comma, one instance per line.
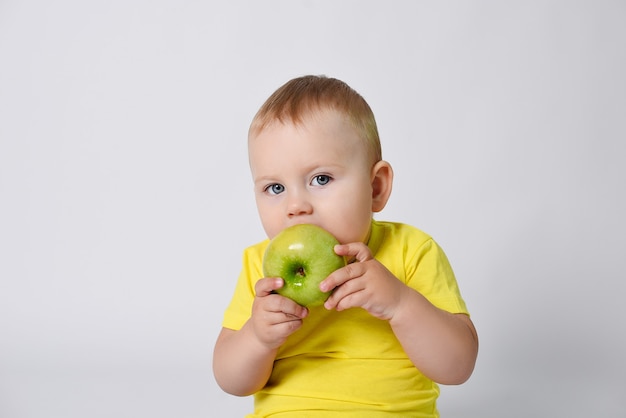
(349,363)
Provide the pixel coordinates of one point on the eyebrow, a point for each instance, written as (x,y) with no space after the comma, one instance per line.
(310,170)
(264,179)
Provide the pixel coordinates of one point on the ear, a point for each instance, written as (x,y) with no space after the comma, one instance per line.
(382,180)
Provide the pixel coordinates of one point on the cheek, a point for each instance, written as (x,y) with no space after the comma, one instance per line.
(350,221)
(270,227)
(269,219)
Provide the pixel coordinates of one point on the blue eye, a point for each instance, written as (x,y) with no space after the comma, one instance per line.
(321,180)
(275,188)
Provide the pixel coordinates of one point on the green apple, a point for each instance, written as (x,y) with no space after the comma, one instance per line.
(303,256)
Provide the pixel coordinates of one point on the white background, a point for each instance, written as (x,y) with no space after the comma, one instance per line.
(125,197)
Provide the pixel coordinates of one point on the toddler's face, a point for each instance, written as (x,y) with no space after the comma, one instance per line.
(318,172)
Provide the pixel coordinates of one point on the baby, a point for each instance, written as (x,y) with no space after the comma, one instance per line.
(395,325)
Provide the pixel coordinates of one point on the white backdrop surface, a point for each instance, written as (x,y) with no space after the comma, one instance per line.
(125,197)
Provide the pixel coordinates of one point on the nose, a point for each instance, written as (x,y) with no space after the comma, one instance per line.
(299,205)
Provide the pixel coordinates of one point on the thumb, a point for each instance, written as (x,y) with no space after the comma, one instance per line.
(267,285)
(355,251)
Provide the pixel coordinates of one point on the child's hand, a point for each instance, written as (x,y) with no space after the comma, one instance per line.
(274,317)
(366,283)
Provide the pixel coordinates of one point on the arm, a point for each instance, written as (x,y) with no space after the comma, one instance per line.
(441,345)
(243,359)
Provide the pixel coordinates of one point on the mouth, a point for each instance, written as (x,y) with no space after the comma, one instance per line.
(303,223)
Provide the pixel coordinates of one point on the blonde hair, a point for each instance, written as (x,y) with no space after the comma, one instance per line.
(304,95)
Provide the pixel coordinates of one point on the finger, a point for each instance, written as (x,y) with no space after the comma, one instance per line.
(290,308)
(267,285)
(341,276)
(356,251)
(280,332)
(273,318)
(280,308)
(275,327)
(344,297)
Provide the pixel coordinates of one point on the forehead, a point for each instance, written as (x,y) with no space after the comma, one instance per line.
(323,126)
(318,138)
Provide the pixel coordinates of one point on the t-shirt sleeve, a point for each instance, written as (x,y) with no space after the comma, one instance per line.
(430,273)
(240,307)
